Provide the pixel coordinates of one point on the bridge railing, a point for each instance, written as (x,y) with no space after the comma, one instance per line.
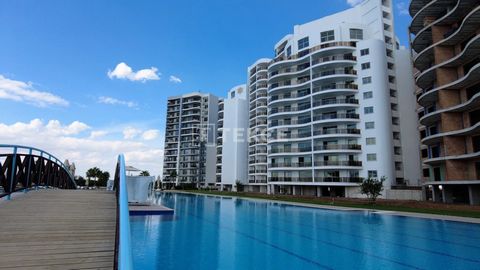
(23,167)
(123,247)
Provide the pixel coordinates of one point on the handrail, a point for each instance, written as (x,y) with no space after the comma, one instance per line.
(29,171)
(123,247)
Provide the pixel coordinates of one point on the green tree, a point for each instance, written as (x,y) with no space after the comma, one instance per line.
(93,173)
(145,173)
(372,187)
(173,174)
(80,181)
(103,179)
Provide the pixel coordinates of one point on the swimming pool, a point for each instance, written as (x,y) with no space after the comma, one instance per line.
(210,232)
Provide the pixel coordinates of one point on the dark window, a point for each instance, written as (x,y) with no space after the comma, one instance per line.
(327,36)
(356,33)
(303,43)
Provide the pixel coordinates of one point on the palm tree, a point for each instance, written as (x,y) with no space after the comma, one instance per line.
(145,173)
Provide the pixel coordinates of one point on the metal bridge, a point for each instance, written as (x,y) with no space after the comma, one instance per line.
(46,224)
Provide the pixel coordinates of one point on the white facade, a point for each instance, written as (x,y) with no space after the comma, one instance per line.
(333,105)
(189,156)
(233,154)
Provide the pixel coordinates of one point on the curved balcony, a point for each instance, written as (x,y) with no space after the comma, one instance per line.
(288,110)
(444,17)
(289,123)
(337,148)
(289,97)
(434,116)
(437,160)
(472,49)
(338,163)
(338,132)
(337,88)
(344,117)
(282,60)
(291,150)
(290,165)
(337,103)
(430,96)
(420,9)
(433,139)
(469,25)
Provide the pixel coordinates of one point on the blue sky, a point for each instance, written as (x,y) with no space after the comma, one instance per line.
(61,52)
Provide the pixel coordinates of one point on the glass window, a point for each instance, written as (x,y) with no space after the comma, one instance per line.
(289,50)
(356,33)
(372,174)
(369,125)
(232,95)
(367,80)
(368,110)
(366,65)
(327,36)
(371,141)
(367,95)
(303,43)
(371,157)
(364,52)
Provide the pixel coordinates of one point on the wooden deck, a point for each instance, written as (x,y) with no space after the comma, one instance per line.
(58,229)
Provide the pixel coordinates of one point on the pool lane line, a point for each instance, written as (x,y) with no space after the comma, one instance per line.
(291,253)
(302,257)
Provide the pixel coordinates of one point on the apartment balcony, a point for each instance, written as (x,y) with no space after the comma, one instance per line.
(288,96)
(338,163)
(289,150)
(290,179)
(336,131)
(338,87)
(276,123)
(334,147)
(291,165)
(289,109)
(336,116)
(332,179)
(328,103)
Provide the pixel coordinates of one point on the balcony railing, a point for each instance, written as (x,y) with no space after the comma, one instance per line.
(336,131)
(336,116)
(289,150)
(349,163)
(290,165)
(337,147)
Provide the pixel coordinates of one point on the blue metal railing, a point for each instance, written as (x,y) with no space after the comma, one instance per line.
(123,248)
(15,151)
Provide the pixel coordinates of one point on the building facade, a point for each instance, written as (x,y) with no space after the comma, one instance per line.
(190,134)
(257,114)
(232,141)
(333,110)
(446,56)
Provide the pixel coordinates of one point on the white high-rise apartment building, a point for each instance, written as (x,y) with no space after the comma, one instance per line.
(189,154)
(257,113)
(232,141)
(338,105)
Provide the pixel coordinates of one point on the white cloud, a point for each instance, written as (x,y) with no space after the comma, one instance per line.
(175,79)
(66,141)
(114,101)
(354,2)
(123,71)
(130,133)
(25,92)
(151,134)
(97,134)
(402,8)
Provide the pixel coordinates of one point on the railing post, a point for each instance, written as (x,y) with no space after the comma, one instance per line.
(12,175)
(28,170)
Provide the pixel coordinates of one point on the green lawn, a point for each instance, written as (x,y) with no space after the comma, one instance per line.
(415,207)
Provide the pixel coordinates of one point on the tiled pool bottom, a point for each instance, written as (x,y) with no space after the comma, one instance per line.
(223,233)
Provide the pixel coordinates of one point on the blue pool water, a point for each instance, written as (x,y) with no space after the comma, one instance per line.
(228,233)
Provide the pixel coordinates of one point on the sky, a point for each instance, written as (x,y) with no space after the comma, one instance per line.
(86,80)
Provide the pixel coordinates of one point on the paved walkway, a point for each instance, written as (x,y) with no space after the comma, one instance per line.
(58,229)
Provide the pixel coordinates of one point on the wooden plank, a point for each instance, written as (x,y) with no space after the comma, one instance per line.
(58,229)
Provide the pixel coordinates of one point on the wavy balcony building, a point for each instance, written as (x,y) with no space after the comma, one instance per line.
(446,47)
(257,144)
(190,134)
(334,108)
